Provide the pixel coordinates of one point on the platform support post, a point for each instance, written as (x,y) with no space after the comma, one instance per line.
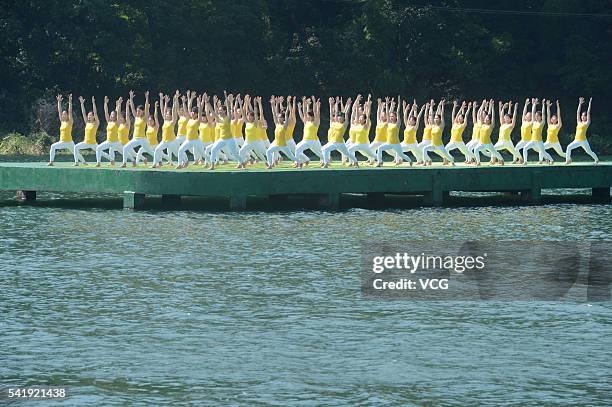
(27,196)
(133,200)
(534,194)
(601,193)
(330,200)
(238,202)
(170,201)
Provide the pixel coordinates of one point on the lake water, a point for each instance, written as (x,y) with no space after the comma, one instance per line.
(200,307)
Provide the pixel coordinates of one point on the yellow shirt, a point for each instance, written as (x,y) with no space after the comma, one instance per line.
(485,133)
(66,132)
(410,135)
(182,126)
(581,130)
(336,133)
(225,129)
(427,133)
(526,131)
(152,135)
(207,133)
(124,133)
(436,135)
(263,134)
(168,131)
(352,135)
(237,129)
(217,131)
(139,128)
(112,134)
(290,130)
(536,131)
(90,133)
(310,131)
(476,132)
(457,133)
(362,134)
(393,133)
(192,129)
(380,133)
(505,130)
(279,135)
(251,133)
(552,133)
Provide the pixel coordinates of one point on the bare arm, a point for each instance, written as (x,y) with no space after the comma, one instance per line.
(455,104)
(95,111)
(514,116)
(146,106)
(128,119)
(588,110)
(317,113)
(83,109)
(59,107)
(155,115)
(580,102)
(131,103)
(525,107)
(106,115)
(559,115)
(71,118)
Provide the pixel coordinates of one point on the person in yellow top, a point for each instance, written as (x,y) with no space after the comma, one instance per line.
(112,143)
(192,141)
(356,111)
(169,145)
(226,141)
(291,127)
(338,122)
(183,118)
(206,128)
(361,129)
(92,122)
(537,127)
(486,120)
(437,146)
(125,124)
(552,131)
(412,121)
(380,132)
(459,124)
(280,134)
(252,143)
(526,124)
(139,139)
(583,121)
(504,141)
(66,121)
(312,121)
(392,142)
(471,145)
(151,135)
(238,121)
(428,120)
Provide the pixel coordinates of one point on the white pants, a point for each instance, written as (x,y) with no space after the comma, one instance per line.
(396,148)
(585,146)
(520,145)
(60,145)
(440,150)
(228,145)
(555,146)
(255,147)
(460,145)
(171,148)
(112,148)
(129,150)
(424,143)
(290,144)
(508,146)
(539,147)
(195,146)
(414,149)
(147,148)
(484,148)
(221,156)
(82,146)
(284,149)
(312,145)
(471,146)
(180,139)
(239,142)
(375,144)
(363,149)
(341,147)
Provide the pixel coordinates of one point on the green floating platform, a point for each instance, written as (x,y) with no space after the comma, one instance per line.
(433,182)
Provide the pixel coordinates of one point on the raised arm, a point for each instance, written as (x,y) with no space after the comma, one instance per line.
(492,111)
(287,114)
(347,112)
(71,118)
(59,107)
(95,111)
(421,112)
(514,115)
(317,112)
(544,111)
(475,112)
(525,108)
(331,110)
(106,115)
(146,106)
(455,104)
(155,115)
(83,109)
(534,105)
(128,119)
(559,115)
(467,112)
(175,104)
(548,103)
(501,111)
(441,112)
(130,103)
(588,109)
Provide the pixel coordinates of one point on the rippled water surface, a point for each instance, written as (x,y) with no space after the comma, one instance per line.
(202,307)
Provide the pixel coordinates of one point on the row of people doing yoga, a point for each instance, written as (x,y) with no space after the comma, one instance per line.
(216,131)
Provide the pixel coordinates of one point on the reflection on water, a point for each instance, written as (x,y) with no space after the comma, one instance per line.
(264,307)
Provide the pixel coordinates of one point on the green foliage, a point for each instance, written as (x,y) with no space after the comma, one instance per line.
(95,47)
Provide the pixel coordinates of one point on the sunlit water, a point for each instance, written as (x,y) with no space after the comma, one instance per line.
(204,307)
